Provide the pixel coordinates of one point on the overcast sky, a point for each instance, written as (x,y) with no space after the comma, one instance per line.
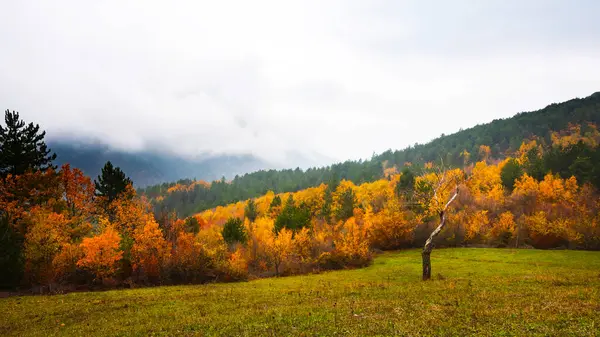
(324,79)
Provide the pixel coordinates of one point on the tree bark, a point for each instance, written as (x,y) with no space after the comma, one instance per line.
(426,254)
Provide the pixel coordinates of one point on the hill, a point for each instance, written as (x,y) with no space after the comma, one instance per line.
(150,168)
(503,136)
(480,292)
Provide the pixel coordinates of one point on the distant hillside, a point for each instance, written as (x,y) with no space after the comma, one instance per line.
(147,168)
(504,135)
(501,134)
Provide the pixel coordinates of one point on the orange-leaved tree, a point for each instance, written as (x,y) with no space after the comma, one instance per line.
(101,253)
(150,252)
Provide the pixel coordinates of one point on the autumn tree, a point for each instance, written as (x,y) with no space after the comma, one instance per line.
(484,152)
(19,196)
(43,242)
(443,191)
(280,247)
(190,261)
(78,197)
(150,252)
(101,253)
(22,147)
(353,244)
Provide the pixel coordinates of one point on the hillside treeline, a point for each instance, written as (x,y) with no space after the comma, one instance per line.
(503,136)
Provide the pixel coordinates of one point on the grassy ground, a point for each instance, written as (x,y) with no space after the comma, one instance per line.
(499,292)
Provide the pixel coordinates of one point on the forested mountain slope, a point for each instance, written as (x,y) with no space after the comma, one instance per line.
(148,168)
(502,136)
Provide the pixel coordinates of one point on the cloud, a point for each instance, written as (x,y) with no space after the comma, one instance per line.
(335,79)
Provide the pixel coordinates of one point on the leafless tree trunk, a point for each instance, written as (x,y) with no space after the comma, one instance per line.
(426,254)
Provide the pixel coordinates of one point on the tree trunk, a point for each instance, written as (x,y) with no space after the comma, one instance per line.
(426,254)
(426,265)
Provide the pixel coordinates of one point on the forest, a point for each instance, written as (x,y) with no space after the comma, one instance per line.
(503,136)
(61,230)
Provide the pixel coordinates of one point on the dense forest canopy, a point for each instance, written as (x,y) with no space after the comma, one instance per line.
(503,136)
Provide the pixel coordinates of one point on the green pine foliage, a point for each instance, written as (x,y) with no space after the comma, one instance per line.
(511,171)
(292,217)
(234,231)
(111,182)
(22,147)
(250,211)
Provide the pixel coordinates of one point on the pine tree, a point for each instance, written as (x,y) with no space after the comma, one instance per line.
(22,147)
(111,182)
(346,207)
(250,211)
(511,171)
(234,231)
(292,217)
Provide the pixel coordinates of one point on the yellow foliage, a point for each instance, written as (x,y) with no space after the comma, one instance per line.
(485,181)
(476,225)
(504,224)
(354,241)
(574,134)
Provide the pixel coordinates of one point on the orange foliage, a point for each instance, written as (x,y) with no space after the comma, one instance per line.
(78,191)
(150,251)
(101,253)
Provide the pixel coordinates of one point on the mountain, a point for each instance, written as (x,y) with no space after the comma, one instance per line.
(502,136)
(150,168)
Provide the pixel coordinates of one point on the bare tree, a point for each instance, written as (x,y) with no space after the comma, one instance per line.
(426,254)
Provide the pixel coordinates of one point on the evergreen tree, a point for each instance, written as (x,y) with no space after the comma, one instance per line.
(511,171)
(234,231)
(111,182)
(292,217)
(275,203)
(11,256)
(534,166)
(346,209)
(406,184)
(192,225)
(327,201)
(22,147)
(250,211)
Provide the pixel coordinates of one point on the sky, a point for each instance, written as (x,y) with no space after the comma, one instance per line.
(319,80)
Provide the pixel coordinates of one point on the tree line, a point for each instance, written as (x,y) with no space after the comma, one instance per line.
(186,197)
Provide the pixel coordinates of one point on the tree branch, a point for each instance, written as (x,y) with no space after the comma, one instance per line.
(429,243)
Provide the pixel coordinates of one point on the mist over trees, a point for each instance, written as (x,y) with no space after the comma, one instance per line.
(187,197)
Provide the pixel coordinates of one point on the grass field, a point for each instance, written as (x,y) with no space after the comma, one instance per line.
(475,291)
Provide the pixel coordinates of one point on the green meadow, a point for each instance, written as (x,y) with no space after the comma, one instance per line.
(474,291)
